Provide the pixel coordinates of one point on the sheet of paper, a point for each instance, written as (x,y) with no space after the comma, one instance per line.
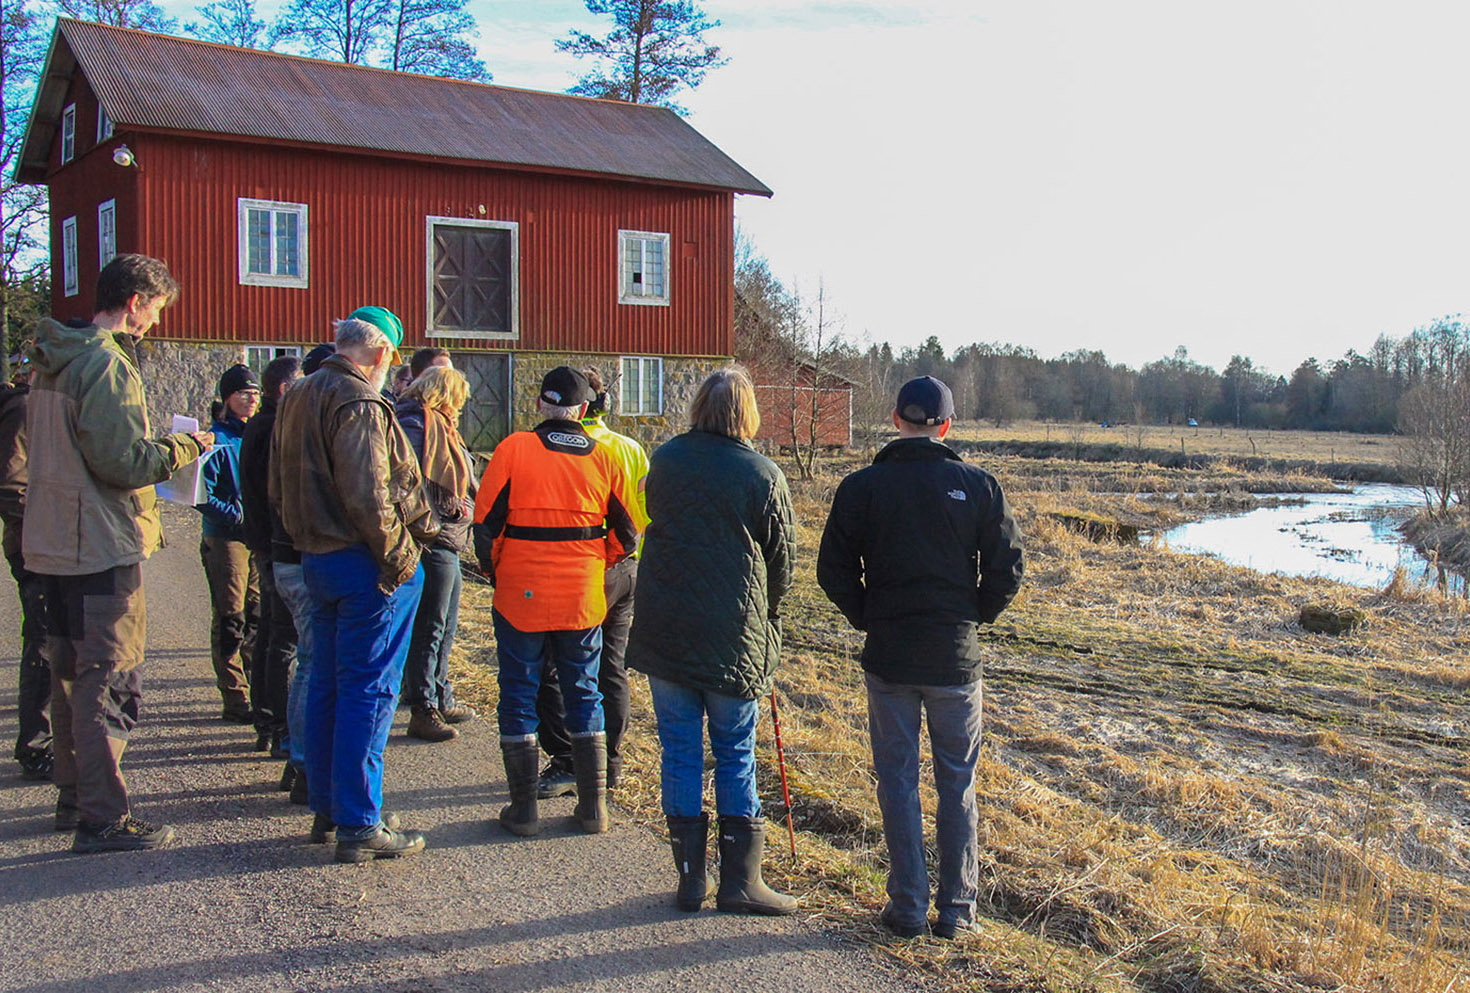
(184,484)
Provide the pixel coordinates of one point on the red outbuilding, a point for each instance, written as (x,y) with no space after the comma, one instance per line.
(520,230)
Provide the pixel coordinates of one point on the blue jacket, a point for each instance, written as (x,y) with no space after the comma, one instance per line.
(223,509)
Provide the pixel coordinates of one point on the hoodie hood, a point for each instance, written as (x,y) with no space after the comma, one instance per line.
(58,344)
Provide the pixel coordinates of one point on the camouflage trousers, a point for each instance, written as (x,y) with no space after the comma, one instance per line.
(95,627)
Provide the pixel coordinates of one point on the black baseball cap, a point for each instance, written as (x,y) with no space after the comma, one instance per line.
(565,387)
(925,401)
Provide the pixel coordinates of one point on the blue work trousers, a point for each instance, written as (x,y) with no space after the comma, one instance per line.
(359,643)
(681,713)
(574,655)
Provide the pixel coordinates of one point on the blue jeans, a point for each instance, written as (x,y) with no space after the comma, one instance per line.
(681,713)
(894,713)
(291,587)
(359,642)
(576,657)
(426,674)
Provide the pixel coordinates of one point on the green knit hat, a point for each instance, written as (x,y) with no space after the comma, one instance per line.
(383,319)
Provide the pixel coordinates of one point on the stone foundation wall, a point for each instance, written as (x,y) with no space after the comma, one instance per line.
(181,378)
(682,377)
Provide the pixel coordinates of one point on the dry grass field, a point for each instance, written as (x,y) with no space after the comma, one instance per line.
(1312,446)
(1182,790)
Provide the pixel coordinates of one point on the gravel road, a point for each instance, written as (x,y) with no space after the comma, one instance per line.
(243,901)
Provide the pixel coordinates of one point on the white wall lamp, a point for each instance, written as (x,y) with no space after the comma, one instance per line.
(123,156)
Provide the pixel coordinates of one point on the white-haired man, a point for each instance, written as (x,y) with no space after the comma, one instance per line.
(346,484)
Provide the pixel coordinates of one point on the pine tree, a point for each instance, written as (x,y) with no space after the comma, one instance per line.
(655,49)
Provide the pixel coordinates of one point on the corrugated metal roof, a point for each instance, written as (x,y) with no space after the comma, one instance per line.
(149,80)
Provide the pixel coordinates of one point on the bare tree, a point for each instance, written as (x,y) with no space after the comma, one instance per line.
(432,37)
(143,14)
(343,30)
(655,49)
(1435,416)
(232,22)
(23,258)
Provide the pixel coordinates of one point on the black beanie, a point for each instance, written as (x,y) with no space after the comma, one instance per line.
(316,357)
(235,379)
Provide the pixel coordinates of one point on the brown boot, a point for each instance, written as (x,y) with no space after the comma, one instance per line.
(427,724)
(589,761)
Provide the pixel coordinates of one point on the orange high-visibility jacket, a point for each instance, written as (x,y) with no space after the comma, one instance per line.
(551,508)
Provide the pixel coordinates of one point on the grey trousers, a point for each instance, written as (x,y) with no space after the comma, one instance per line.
(894,714)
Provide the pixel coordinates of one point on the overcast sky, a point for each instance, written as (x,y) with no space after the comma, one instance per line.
(1276,178)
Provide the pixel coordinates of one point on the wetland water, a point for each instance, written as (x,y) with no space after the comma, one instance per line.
(1348,537)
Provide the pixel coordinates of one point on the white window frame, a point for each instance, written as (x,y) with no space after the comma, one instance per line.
(104,124)
(626,293)
(68,133)
(266,354)
(514,227)
(243,206)
(106,232)
(627,398)
(70,282)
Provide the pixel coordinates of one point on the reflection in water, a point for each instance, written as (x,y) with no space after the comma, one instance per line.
(1348,537)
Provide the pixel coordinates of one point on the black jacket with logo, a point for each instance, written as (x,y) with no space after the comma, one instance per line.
(920,548)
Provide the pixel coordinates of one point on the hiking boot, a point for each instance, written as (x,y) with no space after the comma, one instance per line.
(689,837)
(300,795)
(233,714)
(427,724)
(589,760)
(36,766)
(68,817)
(948,930)
(742,891)
(385,843)
(262,740)
(288,778)
(521,756)
(127,835)
(459,713)
(278,746)
(894,926)
(555,780)
(323,829)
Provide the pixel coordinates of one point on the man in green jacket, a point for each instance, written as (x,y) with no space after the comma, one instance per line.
(91,518)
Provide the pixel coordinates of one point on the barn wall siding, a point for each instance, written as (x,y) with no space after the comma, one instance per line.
(367,243)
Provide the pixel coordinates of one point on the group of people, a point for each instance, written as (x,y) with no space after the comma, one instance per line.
(355,511)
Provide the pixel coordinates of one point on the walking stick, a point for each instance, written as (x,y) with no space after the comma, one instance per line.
(785,789)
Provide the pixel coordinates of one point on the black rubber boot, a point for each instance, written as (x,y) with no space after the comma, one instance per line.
(689,837)
(742,891)
(522,759)
(589,761)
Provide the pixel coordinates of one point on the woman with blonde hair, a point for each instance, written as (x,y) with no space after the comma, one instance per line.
(429,412)
(716,562)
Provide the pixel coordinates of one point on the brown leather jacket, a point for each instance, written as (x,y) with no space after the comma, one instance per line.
(342,473)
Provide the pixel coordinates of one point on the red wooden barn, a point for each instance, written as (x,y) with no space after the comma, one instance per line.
(789,392)
(519,229)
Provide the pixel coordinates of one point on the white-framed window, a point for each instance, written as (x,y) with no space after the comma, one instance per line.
(104,125)
(641,389)
(472,277)
(70,285)
(273,243)
(106,232)
(258,357)
(643,268)
(68,133)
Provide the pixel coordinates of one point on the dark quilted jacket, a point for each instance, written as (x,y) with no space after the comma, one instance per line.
(716,562)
